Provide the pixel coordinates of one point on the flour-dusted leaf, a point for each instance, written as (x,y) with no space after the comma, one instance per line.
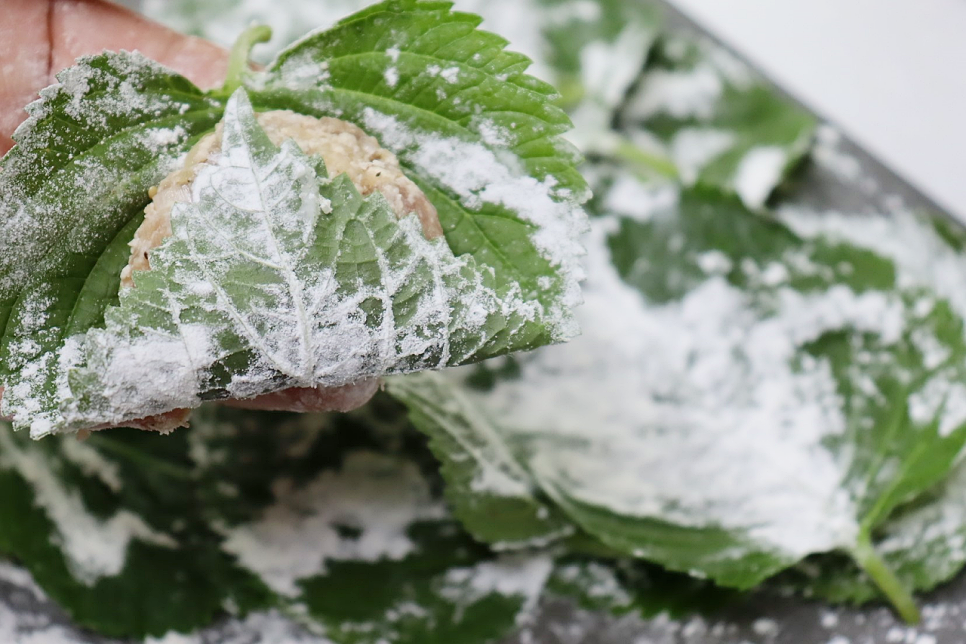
(274,278)
(597,49)
(924,543)
(222,20)
(71,192)
(746,391)
(596,52)
(491,494)
(593,51)
(470,127)
(624,586)
(93,521)
(490,160)
(586,48)
(924,540)
(449,589)
(719,122)
(338,514)
(357,540)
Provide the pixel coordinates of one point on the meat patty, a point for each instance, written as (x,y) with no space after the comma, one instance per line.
(346,149)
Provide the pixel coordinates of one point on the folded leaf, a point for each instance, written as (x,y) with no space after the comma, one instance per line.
(275,278)
(491,160)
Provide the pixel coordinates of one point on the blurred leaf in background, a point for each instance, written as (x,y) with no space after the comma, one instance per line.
(717,120)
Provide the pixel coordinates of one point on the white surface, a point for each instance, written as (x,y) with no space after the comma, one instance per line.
(890,73)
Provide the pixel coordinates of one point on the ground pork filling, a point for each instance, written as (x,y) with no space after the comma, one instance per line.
(346,149)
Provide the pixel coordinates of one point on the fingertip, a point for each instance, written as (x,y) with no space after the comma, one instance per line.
(201,61)
(83,27)
(24,61)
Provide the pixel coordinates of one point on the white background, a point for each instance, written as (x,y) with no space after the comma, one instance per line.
(890,73)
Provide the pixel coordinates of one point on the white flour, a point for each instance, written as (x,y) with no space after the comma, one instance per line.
(480,176)
(693,148)
(94,548)
(693,93)
(376,495)
(667,423)
(694,411)
(758,173)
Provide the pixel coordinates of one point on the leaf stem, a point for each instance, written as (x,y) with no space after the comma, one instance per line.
(883,576)
(627,151)
(572,91)
(240,52)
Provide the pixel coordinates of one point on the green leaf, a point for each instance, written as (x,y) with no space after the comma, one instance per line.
(275,278)
(71,193)
(597,50)
(491,160)
(585,48)
(592,51)
(338,514)
(747,391)
(491,494)
(93,521)
(922,542)
(222,20)
(720,123)
(626,586)
(479,136)
(450,590)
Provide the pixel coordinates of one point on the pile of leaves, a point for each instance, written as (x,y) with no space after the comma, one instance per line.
(761,399)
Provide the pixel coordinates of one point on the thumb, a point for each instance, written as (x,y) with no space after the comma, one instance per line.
(38,39)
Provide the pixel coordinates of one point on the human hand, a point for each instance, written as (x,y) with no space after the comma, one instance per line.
(38,38)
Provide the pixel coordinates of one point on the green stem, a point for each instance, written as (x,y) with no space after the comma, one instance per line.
(627,151)
(572,91)
(240,52)
(870,561)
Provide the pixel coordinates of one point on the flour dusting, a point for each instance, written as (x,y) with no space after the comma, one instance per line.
(377,496)
(94,548)
(651,399)
(481,176)
(704,410)
(758,174)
